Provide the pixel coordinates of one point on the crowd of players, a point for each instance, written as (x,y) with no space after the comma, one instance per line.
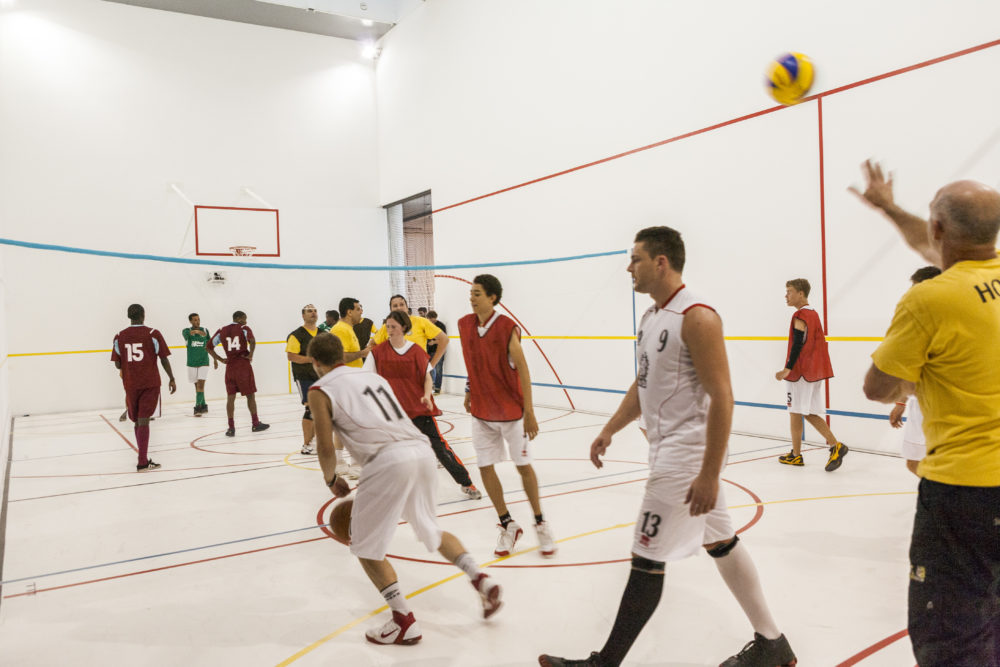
(940,348)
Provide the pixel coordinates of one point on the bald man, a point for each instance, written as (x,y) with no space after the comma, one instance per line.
(944,345)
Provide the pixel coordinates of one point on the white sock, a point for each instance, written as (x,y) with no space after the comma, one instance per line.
(738,571)
(394,598)
(467,564)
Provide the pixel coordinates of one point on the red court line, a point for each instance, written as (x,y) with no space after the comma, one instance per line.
(151,472)
(322,525)
(874,648)
(120,435)
(514,317)
(451,427)
(159,569)
(756,114)
(212,451)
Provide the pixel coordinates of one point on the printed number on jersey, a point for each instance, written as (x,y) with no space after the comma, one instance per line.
(133,352)
(388,397)
(232,342)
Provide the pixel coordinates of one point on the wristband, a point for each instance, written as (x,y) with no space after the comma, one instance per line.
(332,481)
(903,404)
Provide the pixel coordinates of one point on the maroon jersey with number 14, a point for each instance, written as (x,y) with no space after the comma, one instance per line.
(235,340)
(137,349)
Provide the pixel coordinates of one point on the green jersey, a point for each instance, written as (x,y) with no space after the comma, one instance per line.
(323,326)
(197,347)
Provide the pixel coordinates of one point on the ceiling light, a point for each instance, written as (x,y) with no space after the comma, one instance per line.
(369,50)
(367,23)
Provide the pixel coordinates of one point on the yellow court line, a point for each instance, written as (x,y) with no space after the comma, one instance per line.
(832,339)
(341,630)
(296,465)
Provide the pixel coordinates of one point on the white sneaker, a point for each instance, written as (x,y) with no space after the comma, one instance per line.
(401,629)
(472,492)
(353,471)
(490,592)
(308,449)
(546,545)
(508,538)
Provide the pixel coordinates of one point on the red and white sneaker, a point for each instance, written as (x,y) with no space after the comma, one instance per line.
(508,538)
(490,592)
(546,543)
(401,629)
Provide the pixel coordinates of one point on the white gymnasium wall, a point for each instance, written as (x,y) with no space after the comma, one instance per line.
(477,97)
(4,382)
(103,106)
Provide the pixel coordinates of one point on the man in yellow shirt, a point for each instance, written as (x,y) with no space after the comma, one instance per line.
(422,330)
(944,344)
(351,313)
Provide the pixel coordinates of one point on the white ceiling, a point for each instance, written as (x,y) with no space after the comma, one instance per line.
(334,18)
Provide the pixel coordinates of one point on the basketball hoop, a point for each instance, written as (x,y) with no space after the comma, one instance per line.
(242,250)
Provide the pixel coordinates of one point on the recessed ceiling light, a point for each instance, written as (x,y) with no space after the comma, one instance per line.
(367,23)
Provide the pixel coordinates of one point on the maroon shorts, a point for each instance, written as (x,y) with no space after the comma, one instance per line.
(239,377)
(141,403)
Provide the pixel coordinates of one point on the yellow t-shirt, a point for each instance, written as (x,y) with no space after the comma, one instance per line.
(345,332)
(293,344)
(421,331)
(945,337)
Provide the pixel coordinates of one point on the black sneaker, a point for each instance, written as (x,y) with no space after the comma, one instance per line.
(150,465)
(197,411)
(763,652)
(552,661)
(837,454)
(124,416)
(260,426)
(230,432)
(201,408)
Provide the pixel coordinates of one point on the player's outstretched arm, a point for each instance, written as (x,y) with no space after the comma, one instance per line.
(878,195)
(524,376)
(170,374)
(886,388)
(702,333)
(322,414)
(628,411)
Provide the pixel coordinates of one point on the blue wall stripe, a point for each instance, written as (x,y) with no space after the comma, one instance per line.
(272,265)
(748,404)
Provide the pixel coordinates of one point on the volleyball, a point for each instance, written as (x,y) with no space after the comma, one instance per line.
(789,78)
(340,521)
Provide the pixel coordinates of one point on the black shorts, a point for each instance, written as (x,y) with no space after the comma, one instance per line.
(954,606)
(303,386)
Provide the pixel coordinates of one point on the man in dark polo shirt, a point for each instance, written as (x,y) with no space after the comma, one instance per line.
(302,369)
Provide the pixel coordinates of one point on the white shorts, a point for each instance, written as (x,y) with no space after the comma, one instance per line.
(399,483)
(665,529)
(914,444)
(488,439)
(196,373)
(805,398)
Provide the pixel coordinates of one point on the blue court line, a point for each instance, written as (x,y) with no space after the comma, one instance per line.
(748,404)
(309,267)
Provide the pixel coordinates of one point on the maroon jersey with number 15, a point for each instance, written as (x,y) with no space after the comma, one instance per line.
(235,340)
(137,348)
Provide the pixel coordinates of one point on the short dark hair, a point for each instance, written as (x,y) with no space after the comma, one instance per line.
(490,284)
(192,316)
(346,305)
(334,314)
(402,318)
(238,314)
(136,312)
(663,241)
(925,273)
(800,285)
(972,220)
(398,296)
(432,313)
(326,349)
(422,309)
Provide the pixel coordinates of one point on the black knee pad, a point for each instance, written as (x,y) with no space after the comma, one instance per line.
(723,549)
(307,414)
(646,565)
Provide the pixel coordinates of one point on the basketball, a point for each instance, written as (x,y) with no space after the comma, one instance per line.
(789,78)
(340,521)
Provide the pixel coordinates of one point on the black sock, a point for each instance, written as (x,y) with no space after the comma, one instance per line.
(642,594)
(538,518)
(505,519)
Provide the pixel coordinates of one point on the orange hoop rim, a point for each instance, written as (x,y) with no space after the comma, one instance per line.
(242,250)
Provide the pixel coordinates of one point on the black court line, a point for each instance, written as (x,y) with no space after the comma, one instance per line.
(129,486)
(3,505)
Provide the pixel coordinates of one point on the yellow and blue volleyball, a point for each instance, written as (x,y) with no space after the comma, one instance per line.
(789,78)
